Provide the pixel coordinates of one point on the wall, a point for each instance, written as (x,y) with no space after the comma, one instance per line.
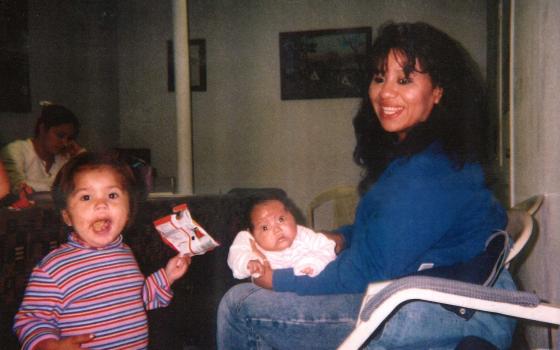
(107,61)
(536,81)
(245,135)
(536,145)
(72,62)
(146,108)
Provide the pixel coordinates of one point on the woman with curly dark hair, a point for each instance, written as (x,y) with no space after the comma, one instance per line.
(458,120)
(425,205)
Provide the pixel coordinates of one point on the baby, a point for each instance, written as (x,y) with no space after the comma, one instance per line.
(273,235)
(90,291)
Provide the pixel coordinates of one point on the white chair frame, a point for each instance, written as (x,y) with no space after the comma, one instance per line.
(534,310)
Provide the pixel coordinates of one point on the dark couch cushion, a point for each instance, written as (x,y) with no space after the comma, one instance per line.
(190,320)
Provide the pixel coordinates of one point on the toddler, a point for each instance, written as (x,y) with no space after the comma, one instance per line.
(273,235)
(89,292)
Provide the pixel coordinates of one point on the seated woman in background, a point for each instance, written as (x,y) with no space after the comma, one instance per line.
(425,203)
(32,164)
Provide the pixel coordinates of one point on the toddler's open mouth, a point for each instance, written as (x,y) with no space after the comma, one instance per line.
(101,225)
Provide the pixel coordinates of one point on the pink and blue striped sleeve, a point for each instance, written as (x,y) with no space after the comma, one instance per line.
(157,290)
(36,319)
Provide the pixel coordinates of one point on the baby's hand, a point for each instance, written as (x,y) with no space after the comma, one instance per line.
(176,267)
(70,343)
(255,268)
(307,271)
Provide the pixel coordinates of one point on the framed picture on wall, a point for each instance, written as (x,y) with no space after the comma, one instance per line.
(197,60)
(324,63)
(15,95)
(197,65)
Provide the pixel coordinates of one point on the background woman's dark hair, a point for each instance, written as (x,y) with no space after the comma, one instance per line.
(64,182)
(54,115)
(261,197)
(459,121)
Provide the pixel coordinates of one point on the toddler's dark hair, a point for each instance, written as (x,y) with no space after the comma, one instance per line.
(259,198)
(64,184)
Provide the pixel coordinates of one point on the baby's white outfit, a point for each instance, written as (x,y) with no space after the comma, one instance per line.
(308,250)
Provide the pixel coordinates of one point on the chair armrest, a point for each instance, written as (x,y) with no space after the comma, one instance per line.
(376,308)
(520,228)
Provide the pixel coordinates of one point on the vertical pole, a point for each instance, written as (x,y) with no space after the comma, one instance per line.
(512,184)
(184,183)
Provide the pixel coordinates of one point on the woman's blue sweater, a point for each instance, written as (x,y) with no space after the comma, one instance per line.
(422,210)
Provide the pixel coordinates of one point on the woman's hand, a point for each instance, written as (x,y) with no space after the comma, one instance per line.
(265,279)
(70,343)
(72,148)
(338,239)
(176,267)
(255,267)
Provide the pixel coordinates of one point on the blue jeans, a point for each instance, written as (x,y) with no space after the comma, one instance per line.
(250,317)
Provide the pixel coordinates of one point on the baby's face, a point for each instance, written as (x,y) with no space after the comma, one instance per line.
(274,227)
(98,208)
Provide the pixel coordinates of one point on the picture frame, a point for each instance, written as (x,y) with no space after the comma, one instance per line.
(197,65)
(331,63)
(15,94)
(197,60)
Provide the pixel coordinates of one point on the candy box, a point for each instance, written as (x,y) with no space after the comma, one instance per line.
(184,234)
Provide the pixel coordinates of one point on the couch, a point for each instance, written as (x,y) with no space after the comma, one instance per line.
(189,322)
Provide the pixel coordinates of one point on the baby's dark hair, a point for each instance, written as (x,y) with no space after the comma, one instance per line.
(259,198)
(64,183)
(55,115)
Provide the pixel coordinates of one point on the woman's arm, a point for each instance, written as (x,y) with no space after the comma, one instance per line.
(407,217)
(338,238)
(13,158)
(72,149)
(265,279)
(4,181)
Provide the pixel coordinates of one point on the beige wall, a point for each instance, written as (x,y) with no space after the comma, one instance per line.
(146,107)
(536,123)
(245,135)
(107,61)
(72,54)
(536,146)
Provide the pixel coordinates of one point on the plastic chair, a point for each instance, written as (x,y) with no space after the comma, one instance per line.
(381,298)
(520,229)
(531,205)
(343,199)
(520,225)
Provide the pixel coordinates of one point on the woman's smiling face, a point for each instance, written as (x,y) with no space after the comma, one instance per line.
(400,101)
